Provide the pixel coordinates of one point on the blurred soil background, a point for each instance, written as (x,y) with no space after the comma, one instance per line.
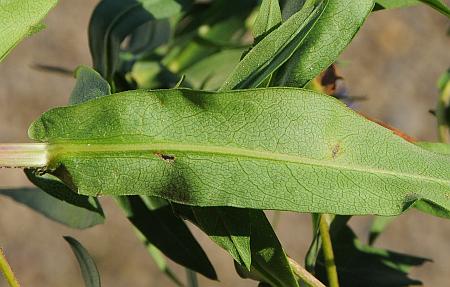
(394,62)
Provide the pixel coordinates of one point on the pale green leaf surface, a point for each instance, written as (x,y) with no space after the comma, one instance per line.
(87,265)
(441,148)
(278,148)
(20,19)
(333,31)
(153,219)
(274,49)
(269,16)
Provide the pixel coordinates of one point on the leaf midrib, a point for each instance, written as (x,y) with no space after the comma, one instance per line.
(58,149)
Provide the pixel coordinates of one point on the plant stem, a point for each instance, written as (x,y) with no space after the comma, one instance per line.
(304,275)
(441,114)
(7,271)
(23,155)
(191,278)
(328,254)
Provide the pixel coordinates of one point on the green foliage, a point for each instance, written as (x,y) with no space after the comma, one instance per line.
(58,209)
(217,153)
(154,219)
(333,31)
(362,265)
(141,133)
(436,4)
(20,19)
(113,20)
(269,17)
(379,224)
(275,49)
(89,85)
(87,264)
(56,201)
(250,240)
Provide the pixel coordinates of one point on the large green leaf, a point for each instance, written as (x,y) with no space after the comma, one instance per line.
(87,265)
(333,31)
(274,49)
(156,225)
(113,20)
(363,265)
(277,148)
(20,19)
(155,220)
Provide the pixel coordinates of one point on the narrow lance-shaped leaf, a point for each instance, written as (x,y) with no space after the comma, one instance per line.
(19,19)
(333,31)
(159,225)
(290,7)
(269,16)
(362,265)
(253,232)
(390,4)
(230,228)
(269,259)
(438,5)
(275,49)
(379,224)
(87,265)
(161,262)
(53,208)
(56,201)
(278,148)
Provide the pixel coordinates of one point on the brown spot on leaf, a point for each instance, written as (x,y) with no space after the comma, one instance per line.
(335,150)
(165,157)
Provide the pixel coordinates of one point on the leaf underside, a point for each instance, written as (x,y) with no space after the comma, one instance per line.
(279,148)
(20,19)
